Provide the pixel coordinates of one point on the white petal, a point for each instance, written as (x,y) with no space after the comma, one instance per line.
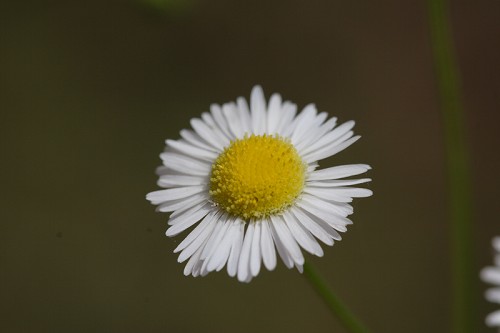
(182,204)
(244,112)
(354,192)
(491,275)
(312,226)
(311,167)
(233,117)
(258,110)
(493,295)
(234,256)
(199,241)
(327,195)
(288,113)
(207,118)
(214,126)
(287,239)
(304,121)
(334,207)
(160,196)
(189,204)
(197,268)
(308,135)
(223,262)
(248,279)
(219,224)
(337,183)
(267,246)
(338,172)
(186,165)
(335,221)
(186,148)
(220,120)
(324,225)
(214,240)
(210,135)
(273,113)
(315,135)
(196,140)
(255,254)
(163,170)
(219,258)
(186,221)
(193,261)
(496,243)
(330,150)
(186,214)
(282,251)
(244,262)
(199,231)
(493,319)
(297,121)
(181,180)
(331,193)
(302,236)
(330,137)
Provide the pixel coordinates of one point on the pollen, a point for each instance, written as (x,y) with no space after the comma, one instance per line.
(257,176)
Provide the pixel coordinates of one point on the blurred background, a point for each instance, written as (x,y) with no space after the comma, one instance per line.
(89,91)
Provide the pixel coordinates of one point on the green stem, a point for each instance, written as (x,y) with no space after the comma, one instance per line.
(338,308)
(447,76)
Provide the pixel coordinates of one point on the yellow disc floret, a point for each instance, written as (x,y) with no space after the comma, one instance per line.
(257,176)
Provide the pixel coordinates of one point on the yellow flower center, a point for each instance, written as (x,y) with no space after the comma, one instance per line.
(257,176)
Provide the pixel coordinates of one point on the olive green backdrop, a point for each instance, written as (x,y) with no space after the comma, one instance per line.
(89,91)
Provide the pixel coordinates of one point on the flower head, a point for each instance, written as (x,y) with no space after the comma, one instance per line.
(492,275)
(247,177)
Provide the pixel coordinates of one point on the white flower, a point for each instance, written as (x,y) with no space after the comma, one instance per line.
(246,177)
(492,275)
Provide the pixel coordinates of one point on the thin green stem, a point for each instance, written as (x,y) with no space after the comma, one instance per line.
(447,76)
(346,317)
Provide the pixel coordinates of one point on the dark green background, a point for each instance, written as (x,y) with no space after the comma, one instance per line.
(89,90)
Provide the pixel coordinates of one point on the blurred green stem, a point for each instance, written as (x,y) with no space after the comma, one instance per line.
(447,76)
(348,320)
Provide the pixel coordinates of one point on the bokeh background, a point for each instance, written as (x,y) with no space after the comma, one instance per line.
(89,91)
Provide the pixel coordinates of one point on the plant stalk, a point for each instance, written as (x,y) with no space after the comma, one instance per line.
(336,306)
(457,160)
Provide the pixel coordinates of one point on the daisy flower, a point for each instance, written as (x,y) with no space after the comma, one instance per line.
(492,275)
(246,178)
